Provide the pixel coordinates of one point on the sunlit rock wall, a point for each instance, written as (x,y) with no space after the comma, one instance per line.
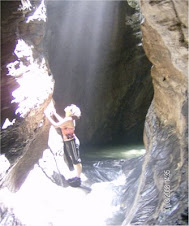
(162,196)
(27,85)
(108,78)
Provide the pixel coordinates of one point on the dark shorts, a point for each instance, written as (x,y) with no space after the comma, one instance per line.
(71,151)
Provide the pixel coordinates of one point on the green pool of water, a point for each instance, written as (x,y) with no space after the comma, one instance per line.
(113,152)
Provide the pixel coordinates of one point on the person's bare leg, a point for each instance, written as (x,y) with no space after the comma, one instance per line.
(78,168)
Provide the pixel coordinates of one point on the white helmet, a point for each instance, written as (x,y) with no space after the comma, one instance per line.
(73,110)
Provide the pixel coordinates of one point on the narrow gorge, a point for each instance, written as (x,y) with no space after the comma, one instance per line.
(125,64)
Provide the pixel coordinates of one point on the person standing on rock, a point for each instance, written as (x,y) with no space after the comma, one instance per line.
(71,142)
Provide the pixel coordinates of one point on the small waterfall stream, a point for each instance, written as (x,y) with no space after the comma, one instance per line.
(77,45)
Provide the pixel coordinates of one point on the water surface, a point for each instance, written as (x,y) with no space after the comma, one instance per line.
(112,152)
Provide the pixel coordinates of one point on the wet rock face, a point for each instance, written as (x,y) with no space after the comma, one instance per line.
(109,78)
(26,85)
(8,43)
(164,178)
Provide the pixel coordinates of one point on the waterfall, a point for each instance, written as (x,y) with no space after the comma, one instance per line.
(78,39)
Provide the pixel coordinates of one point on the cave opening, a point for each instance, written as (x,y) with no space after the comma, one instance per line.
(96,57)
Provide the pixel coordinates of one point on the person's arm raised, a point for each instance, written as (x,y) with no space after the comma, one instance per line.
(57,124)
(57,116)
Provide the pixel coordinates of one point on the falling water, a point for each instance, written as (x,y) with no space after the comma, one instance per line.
(77,41)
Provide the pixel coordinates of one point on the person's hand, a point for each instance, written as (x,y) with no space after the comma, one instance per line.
(50,109)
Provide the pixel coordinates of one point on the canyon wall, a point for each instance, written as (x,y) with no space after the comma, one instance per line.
(162,196)
(26,88)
